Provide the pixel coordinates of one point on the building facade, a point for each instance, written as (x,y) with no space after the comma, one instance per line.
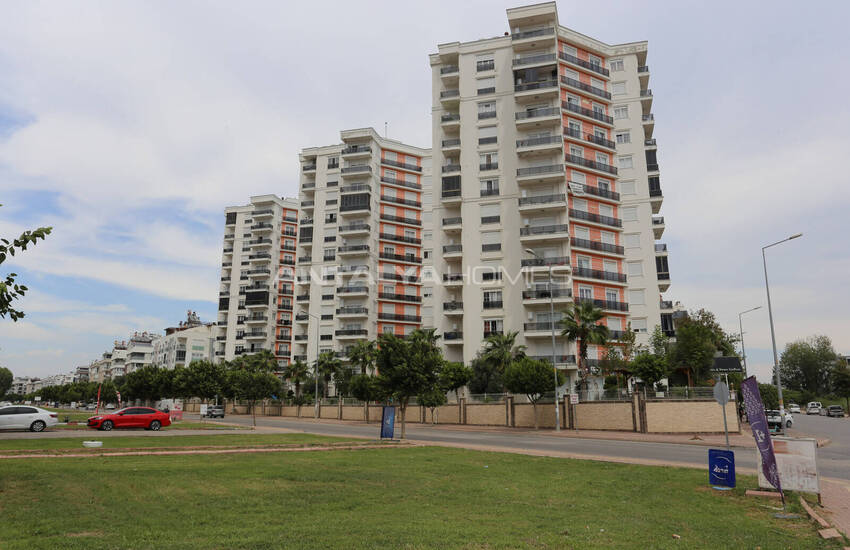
(547,167)
(191,340)
(364,218)
(257,275)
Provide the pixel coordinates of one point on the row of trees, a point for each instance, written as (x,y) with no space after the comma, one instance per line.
(814,369)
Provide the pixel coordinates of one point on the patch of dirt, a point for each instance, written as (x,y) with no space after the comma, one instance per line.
(85,534)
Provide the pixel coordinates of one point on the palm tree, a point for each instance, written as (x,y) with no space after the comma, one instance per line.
(363,355)
(501,350)
(581,324)
(296,373)
(328,367)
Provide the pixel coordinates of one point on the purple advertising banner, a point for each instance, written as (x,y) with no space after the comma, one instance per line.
(758,422)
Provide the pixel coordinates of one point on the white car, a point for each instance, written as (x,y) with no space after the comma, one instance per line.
(794,408)
(773,417)
(26,418)
(813,407)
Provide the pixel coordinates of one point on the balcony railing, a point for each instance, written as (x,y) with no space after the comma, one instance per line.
(532,59)
(352,289)
(402,183)
(487,65)
(666,304)
(452,221)
(399,219)
(585,87)
(655,190)
(604,193)
(531,34)
(351,332)
(450,168)
(454,335)
(542,199)
(543,140)
(397,200)
(663,275)
(449,117)
(595,67)
(449,69)
(351,149)
(399,297)
(592,164)
(447,94)
(354,248)
(400,317)
(543,230)
(452,248)
(403,278)
(261,225)
(352,310)
(309,167)
(451,193)
(554,260)
(352,207)
(643,69)
(452,306)
(542,84)
(484,166)
(559,359)
(404,165)
(356,168)
(651,167)
(560,292)
(596,115)
(401,257)
(599,274)
(451,142)
(535,113)
(353,269)
(597,245)
(400,238)
(648,118)
(660,247)
(592,138)
(541,325)
(357,187)
(658,220)
(263,212)
(605,304)
(595,218)
(539,170)
(354,227)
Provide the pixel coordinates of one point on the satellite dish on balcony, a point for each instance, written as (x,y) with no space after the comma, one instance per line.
(577,188)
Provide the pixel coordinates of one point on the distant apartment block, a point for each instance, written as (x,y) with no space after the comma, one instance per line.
(191,340)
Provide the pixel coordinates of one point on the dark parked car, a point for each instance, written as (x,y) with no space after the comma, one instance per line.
(215,411)
(835,410)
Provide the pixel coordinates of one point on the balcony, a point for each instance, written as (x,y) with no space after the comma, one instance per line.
(354,228)
(595,67)
(352,151)
(451,195)
(352,311)
(348,332)
(536,90)
(544,232)
(451,144)
(599,274)
(260,257)
(396,277)
(402,165)
(557,294)
(300,338)
(355,188)
(263,272)
(663,280)
(309,167)
(545,262)
(660,249)
(587,88)
(448,70)
(666,304)
(397,200)
(560,360)
(353,250)
(543,202)
(594,116)
(525,35)
(596,191)
(308,204)
(399,238)
(543,144)
(302,317)
(450,121)
(306,221)
(598,246)
(356,169)
(657,226)
(452,279)
(355,208)
(258,335)
(407,258)
(353,289)
(452,251)
(453,338)
(399,219)
(453,308)
(591,164)
(450,97)
(264,213)
(401,183)
(542,328)
(449,168)
(452,224)
(399,317)
(595,218)
(256,319)
(610,305)
(552,172)
(262,226)
(259,242)
(648,124)
(400,297)
(590,138)
(539,59)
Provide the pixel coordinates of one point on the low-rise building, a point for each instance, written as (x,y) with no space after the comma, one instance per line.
(191,340)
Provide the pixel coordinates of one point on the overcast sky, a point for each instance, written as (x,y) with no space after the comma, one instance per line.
(129,126)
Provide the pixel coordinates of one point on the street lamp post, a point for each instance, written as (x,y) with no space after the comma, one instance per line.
(773,332)
(741,330)
(552,321)
(316,366)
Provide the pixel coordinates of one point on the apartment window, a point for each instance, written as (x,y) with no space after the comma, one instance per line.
(616,65)
(632,240)
(488,161)
(636,297)
(621,112)
(571,74)
(629,213)
(594,60)
(488,134)
(602,158)
(489,187)
(635,269)
(389,249)
(614,323)
(607,237)
(576,151)
(333,162)
(573,100)
(492,299)
(486,109)
(487,85)
(610,266)
(577,177)
(623,137)
(582,233)
(625,162)
(639,325)
(612,295)
(427,254)
(585,292)
(583,262)
(330,217)
(390,155)
(491,241)
(605,185)
(580,204)
(627,187)
(618,88)
(574,127)
(389,329)
(330,254)
(490,213)
(485,62)
(493,325)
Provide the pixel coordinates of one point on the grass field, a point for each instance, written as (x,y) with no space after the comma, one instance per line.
(135,442)
(414,497)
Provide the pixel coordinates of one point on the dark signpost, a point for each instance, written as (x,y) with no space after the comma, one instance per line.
(388,422)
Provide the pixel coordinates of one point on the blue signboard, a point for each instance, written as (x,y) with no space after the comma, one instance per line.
(721,468)
(388,422)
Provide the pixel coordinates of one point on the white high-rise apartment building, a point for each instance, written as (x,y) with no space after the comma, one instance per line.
(543,139)
(257,271)
(365,213)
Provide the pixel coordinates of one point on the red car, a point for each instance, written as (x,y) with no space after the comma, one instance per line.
(131,417)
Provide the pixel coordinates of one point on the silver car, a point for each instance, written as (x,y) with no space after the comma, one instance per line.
(26,417)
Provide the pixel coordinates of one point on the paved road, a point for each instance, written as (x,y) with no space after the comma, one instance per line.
(836,453)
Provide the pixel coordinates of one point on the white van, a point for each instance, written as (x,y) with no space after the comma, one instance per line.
(813,407)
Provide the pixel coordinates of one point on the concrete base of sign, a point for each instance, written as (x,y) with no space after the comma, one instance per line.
(721,488)
(768,494)
(831,533)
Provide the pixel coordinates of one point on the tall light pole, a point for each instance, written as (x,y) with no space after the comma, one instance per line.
(773,332)
(552,322)
(741,330)
(316,365)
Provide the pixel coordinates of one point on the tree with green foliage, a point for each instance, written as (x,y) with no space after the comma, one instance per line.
(10,290)
(486,376)
(365,388)
(769,396)
(431,399)
(841,383)
(5,380)
(408,367)
(533,378)
(454,375)
(581,324)
(694,351)
(363,355)
(297,373)
(208,378)
(329,367)
(659,343)
(251,378)
(808,364)
(501,349)
(650,368)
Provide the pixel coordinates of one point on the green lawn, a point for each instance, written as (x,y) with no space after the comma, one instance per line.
(413,497)
(179,425)
(74,441)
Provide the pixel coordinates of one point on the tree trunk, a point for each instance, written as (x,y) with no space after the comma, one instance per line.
(366,411)
(534,408)
(403,410)
(254,413)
